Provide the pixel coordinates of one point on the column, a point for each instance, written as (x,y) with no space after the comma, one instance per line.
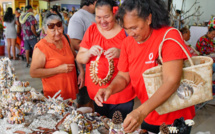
(27,2)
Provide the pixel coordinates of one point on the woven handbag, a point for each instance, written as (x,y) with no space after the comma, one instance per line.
(195,86)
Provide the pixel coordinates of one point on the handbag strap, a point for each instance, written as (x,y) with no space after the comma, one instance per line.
(161,45)
(67,39)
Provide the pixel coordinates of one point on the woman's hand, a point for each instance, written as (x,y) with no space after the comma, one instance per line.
(112,53)
(133,120)
(102,95)
(81,80)
(66,68)
(95,50)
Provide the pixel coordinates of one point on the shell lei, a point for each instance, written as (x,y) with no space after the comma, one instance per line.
(22,19)
(94,71)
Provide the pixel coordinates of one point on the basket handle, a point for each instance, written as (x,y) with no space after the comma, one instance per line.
(161,45)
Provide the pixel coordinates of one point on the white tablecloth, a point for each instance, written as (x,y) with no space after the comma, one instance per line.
(196,32)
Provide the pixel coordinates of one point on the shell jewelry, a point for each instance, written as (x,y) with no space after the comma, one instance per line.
(94,71)
(23,17)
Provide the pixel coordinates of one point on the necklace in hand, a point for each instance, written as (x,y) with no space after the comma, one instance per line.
(94,71)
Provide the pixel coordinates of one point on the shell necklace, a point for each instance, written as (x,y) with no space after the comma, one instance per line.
(22,19)
(94,71)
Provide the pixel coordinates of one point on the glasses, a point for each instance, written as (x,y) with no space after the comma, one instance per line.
(52,25)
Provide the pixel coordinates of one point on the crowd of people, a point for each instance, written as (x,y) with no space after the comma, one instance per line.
(23,30)
(105,54)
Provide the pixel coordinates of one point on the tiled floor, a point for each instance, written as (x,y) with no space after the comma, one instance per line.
(204,120)
(23,74)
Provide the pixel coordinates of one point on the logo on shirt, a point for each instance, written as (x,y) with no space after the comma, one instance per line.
(150,59)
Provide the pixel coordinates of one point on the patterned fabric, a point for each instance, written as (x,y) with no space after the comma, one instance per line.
(26,28)
(192,50)
(212,22)
(205,45)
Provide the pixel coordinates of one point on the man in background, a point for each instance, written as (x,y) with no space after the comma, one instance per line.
(80,21)
(28,22)
(78,25)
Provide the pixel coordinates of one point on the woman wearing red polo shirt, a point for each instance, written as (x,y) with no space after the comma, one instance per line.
(103,40)
(146,22)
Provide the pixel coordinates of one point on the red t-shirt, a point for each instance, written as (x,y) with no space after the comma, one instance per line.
(136,58)
(93,37)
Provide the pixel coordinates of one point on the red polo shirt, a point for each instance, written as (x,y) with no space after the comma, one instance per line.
(136,58)
(94,37)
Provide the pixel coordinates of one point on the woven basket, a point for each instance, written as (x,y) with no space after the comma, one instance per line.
(196,82)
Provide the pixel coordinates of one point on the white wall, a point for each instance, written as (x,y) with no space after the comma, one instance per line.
(43,5)
(59,2)
(207,6)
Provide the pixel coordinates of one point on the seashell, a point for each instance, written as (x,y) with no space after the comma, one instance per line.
(100,84)
(85,109)
(94,71)
(194,77)
(74,128)
(26,84)
(185,91)
(189,122)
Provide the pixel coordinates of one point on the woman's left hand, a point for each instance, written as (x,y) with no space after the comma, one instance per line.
(112,53)
(81,80)
(132,121)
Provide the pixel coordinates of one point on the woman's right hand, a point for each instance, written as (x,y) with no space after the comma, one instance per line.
(66,68)
(95,50)
(102,95)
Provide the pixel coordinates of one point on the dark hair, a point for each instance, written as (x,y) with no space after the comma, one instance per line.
(110,3)
(184,30)
(62,9)
(178,11)
(211,29)
(160,15)
(55,8)
(86,2)
(17,8)
(28,7)
(9,16)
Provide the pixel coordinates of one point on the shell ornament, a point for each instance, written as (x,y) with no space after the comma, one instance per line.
(185,91)
(94,71)
(190,81)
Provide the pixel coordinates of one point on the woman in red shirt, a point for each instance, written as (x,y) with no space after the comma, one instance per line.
(146,22)
(103,40)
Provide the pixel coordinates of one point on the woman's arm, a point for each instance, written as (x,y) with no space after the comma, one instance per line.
(83,55)
(81,75)
(37,69)
(119,83)
(80,68)
(172,72)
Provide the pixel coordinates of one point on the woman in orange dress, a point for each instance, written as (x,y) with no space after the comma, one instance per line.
(54,61)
